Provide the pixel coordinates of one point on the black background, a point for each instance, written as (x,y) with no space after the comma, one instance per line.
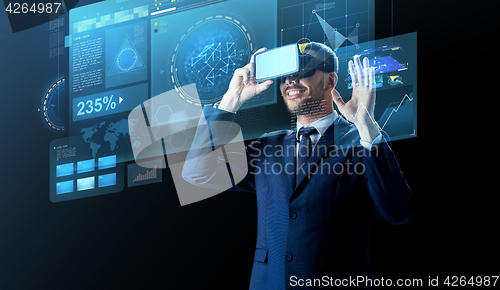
(142,238)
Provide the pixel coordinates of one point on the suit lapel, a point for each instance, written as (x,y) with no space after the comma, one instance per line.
(336,131)
(289,143)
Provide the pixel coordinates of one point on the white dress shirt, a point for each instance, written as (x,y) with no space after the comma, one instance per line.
(322,125)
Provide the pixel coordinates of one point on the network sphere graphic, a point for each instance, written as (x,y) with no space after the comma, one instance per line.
(213,61)
(208,55)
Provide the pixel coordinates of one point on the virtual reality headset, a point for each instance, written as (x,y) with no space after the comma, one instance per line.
(292,61)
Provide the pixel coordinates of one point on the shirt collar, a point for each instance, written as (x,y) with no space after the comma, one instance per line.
(321,124)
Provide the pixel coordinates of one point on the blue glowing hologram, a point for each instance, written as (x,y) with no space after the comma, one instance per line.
(127,59)
(215,63)
(208,57)
(64,187)
(398,116)
(395,62)
(64,169)
(55,106)
(335,38)
(395,80)
(107,180)
(384,64)
(77,171)
(106,162)
(85,183)
(126,54)
(85,166)
(205,46)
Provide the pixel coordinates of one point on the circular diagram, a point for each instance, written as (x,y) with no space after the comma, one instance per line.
(126,59)
(208,54)
(55,105)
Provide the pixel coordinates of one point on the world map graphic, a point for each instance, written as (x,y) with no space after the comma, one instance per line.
(105,133)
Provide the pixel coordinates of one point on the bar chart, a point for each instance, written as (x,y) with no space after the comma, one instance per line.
(138,175)
(149,174)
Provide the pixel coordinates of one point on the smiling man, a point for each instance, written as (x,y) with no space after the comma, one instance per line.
(314,220)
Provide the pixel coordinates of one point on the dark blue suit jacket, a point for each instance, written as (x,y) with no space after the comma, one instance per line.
(321,227)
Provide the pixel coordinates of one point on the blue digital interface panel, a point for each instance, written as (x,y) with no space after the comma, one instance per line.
(64,187)
(85,183)
(385,64)
(336,23)
(110,63)
(124,54)
(106,103)
(205,46)
(395,62)
(64,169)
(106,162)
(85,166)
(86,180)
(107,180)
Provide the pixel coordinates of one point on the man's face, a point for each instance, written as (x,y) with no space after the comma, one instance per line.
(305,95)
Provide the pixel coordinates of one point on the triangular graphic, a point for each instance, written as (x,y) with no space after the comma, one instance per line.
(127,59)
(338,39)
(232,53)
(210,76)
(302,46)
(334,37)
(353,36)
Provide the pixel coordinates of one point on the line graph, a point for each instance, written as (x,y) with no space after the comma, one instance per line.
(397,109)
(362,106)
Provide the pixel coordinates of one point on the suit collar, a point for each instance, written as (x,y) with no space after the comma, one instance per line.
(321,125)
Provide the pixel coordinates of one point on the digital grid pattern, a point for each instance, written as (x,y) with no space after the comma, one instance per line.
(215,62)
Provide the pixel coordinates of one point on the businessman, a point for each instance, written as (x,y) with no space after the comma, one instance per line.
(318,187)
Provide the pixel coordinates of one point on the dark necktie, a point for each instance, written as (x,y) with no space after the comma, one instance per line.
(303,152)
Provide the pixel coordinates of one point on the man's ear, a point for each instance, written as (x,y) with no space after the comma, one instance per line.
(332,80)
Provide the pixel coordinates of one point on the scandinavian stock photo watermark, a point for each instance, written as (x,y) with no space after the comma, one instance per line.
(342,156)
